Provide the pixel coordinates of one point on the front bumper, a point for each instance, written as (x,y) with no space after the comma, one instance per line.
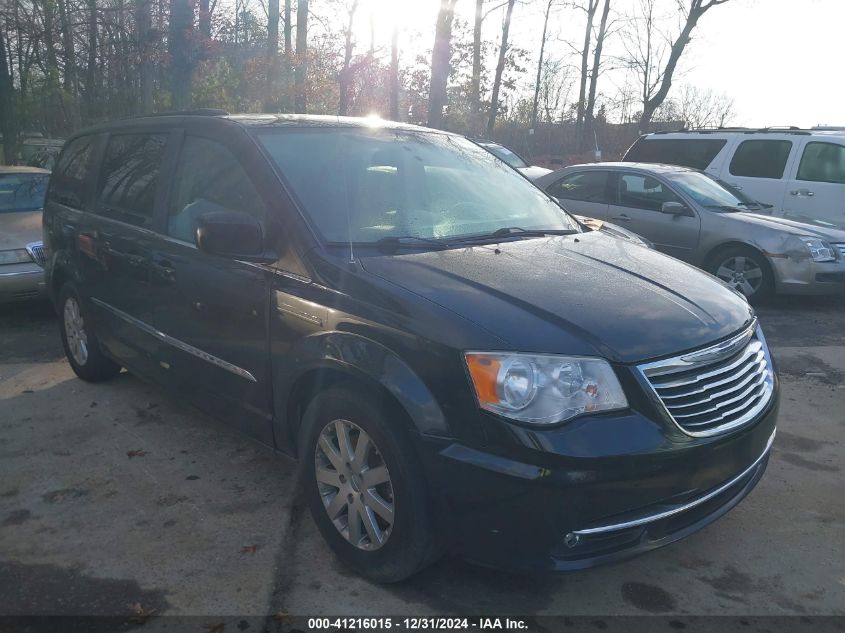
(806,277)
(21,282)
(567,512)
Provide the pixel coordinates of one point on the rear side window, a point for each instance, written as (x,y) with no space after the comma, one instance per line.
(209,178)
(823,162)
(761,159)
(586,186)
(697,153)
(129,177)
(67,182)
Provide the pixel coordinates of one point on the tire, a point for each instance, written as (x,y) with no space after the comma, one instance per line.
(404,540)
(79,341)
(746,270)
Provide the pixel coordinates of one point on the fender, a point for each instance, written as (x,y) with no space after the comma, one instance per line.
(358,357)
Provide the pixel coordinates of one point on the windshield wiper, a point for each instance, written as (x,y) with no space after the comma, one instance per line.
(515,231)
(396,241)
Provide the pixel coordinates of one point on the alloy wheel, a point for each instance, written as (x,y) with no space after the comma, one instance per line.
(77,339)
(354,484)
(741,272)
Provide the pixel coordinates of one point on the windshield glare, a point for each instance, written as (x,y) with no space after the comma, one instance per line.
(705,190)
(22,192)
(367,184)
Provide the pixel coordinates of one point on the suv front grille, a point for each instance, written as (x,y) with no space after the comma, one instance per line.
(718,388)
(36,251)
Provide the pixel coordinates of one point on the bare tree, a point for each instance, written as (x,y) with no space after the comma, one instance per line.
(541,60)
(589,112)
(440,56)
(301,69)
(394,75)
(647,50)
(590,9)
(696,108)
(344,77)
(143,25)
(8,123)
(181,25)
(475,81)
(272,55)
(500,67)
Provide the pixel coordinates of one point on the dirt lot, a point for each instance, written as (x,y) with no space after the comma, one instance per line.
(113,494)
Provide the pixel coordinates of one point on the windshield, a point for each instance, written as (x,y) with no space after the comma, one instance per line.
(22,192)
(708,192)
(366,185)
(503,153)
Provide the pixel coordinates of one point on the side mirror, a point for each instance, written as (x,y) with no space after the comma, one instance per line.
(232,234)
(675,208)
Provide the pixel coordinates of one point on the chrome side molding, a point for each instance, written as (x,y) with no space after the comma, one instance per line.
(175,342)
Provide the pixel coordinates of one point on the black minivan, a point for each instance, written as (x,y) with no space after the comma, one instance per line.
(456,363)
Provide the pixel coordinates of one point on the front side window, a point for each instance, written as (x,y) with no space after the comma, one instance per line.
(586,186)
(365,184)
(644,192)
(760,159)
(22,192)
(823,162)
(208,178)
(129,177)
(67,183)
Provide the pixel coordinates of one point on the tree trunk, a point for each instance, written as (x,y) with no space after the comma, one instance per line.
(204,20)
(589,114)
(540,65)
(394,75)
(500,67)
(344,76)
(143,26)
(272,80)
(592,5)
(441,55)
(92,74)
(181,24)
(475,84)
(300,103)
(8,121)
(70,75)
(696,10)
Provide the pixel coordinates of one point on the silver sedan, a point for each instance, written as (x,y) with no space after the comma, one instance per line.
(22,192)
(694,217)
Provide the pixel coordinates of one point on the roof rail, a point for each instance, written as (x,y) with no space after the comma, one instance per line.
(196,112)
(744,130)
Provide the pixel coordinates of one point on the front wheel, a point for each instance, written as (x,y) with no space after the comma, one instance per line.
(746,270)
(81,346)
(364,486)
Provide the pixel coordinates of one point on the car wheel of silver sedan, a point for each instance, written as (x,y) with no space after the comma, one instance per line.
(744,270)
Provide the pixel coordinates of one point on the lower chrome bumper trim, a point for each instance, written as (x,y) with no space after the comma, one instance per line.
(651,518)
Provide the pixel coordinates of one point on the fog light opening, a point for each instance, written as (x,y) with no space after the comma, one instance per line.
(571,539)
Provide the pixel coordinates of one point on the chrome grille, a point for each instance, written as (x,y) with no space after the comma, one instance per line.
(841,249)
(718,388)
(36,251)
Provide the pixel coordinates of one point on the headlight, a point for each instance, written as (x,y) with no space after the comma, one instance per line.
(543,389)
(19,256)
(820,250)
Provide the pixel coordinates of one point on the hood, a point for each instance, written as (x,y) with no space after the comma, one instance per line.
(19,228)
(795,227)
(534,172)
(585,294)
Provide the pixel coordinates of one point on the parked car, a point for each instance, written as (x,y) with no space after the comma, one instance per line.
(22,192)
(457,365)
(691,216)
(800,172)
(514,160)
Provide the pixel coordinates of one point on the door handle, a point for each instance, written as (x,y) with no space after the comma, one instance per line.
(164,269)
(802,192)
(622,218)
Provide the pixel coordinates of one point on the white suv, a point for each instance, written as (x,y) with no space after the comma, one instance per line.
(801,173)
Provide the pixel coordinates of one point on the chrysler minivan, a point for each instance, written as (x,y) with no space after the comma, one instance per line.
(457,364)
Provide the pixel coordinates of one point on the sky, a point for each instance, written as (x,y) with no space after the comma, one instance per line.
(780,60)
